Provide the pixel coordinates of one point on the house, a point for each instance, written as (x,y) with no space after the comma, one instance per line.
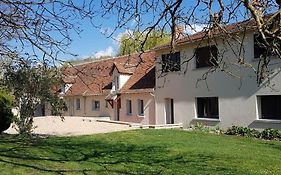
(189,90)
(118,88)
(208,78)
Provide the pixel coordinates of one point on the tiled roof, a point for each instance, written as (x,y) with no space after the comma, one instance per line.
(231,28)
(94,78)
(143,77)
(124,68)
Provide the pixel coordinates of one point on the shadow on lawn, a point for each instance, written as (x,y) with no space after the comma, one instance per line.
(103,157)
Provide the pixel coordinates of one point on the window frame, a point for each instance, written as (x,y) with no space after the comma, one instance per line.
(210,52)
(171,62)
(95,107)
(207,108)
(259,49)
(273,107)
(129,107)
(140,107)
(78,104)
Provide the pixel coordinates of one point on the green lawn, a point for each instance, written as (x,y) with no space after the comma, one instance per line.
(141,152)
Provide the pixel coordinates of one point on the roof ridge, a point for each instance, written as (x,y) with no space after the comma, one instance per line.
(112,58)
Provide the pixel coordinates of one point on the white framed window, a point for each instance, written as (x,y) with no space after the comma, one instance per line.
(140,107)
(269,107)
(129,107)
(171,62)
(206,56)
(207,107)
(95,105)
(78,107)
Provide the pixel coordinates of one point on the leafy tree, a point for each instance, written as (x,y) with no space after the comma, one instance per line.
(35,33)
(137,42)
(6,115)
(33,85)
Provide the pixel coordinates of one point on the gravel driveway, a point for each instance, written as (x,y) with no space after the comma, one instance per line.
(51,125)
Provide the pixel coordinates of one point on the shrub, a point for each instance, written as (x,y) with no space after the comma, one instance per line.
(270,134)
(6,114)
(242,131)
(200,127)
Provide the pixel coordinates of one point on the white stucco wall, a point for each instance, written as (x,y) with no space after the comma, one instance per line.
(86,107)
(237,96)
(123,79)
(149,108)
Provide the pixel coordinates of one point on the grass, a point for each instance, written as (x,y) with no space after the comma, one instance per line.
(140,152)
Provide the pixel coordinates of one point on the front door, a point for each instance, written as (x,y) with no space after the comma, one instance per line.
(169,111)
(117,106)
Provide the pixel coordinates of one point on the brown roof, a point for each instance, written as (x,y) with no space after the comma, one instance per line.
(143,77)
(218,31)
(123,68)
(94,78)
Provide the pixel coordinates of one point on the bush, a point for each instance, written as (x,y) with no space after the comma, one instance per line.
(270,134)
(242,131)
(202,128)
(6,115)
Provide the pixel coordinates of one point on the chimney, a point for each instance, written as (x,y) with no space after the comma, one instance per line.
(179,32)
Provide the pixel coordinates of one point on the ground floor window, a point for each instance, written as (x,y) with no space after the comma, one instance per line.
(129,107)
(95,105)
(140,107)
(207,107)
(78,107)
(270,107)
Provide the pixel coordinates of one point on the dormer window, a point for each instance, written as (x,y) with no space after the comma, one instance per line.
(120,73)
(116,82)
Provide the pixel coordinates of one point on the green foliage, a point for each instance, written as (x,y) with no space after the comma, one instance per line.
(32,85)
(137,42)
(270,134)
(86,60)
(6,115)
(242,131)
(202,128)
(267,134)
(144,152)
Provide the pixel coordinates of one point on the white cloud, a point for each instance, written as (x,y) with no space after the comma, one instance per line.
(107,52)
(117,38)
(194,28)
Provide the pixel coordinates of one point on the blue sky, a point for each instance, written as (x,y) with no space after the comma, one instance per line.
(93,42)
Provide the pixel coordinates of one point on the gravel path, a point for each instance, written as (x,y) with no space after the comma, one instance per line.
(52,125)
